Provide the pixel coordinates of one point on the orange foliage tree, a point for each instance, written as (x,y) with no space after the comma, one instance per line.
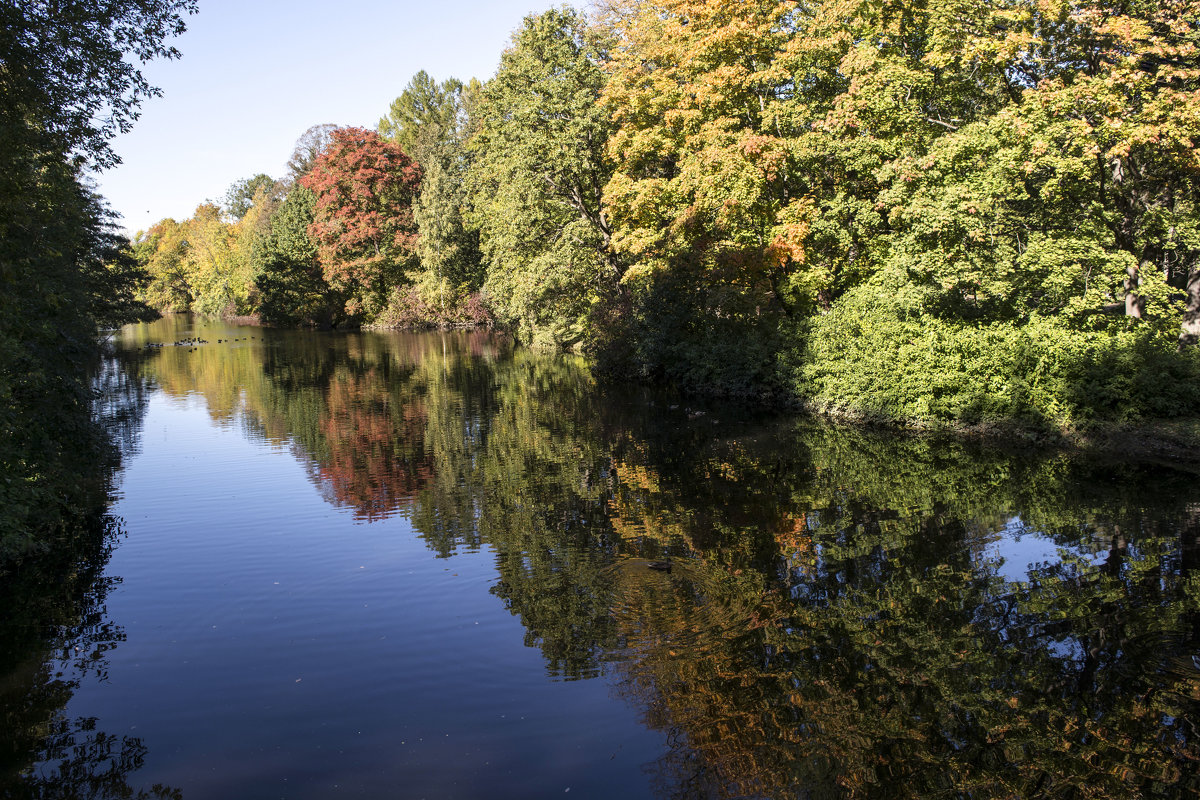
(363,220)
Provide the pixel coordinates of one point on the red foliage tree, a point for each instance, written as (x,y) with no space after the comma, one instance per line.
(363,221)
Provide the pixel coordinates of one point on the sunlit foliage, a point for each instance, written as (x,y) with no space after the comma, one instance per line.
(537,177)
(362,224)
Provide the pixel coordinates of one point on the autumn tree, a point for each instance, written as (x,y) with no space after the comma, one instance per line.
(209,260)
(537,178)
(967,200)
(161,250)
(362,218)
(707,201)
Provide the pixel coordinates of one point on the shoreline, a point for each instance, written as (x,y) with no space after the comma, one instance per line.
(1171,441)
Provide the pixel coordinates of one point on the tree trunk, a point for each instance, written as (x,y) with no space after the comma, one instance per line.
(1190,329)
(1135,304)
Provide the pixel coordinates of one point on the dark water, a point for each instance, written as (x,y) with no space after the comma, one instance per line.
(424,566)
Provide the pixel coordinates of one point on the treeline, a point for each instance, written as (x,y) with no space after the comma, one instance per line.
(910,209)
(68,83)
(358,232)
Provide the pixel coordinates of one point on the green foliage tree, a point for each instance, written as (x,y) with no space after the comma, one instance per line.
(449,244)
(290,279)
(242,194)
(537,178)
(66,87)
(452,270)
(430,121)
(68,82)
(422,115)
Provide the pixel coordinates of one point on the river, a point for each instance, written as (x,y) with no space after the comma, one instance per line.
(437,566)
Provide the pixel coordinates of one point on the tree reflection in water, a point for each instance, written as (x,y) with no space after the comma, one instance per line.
(838,619)
(55,634)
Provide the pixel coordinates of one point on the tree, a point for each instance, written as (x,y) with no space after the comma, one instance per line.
(449,245)
(209,261)
(311,144)
(66,80)
(706,200)
(422,115)
(362,218)
(241,195)
(160,251)
(430,122)
(1041,242)
(65,89)
(536,181)
(290,280)
(845,182)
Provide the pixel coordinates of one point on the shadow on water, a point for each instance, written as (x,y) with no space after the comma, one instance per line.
(55,634)
(845,613)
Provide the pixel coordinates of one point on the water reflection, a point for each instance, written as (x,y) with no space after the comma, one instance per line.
(55,635)
(847,614)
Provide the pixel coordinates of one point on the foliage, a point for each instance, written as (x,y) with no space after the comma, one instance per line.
(65,89)
(1019,173)
(241,195)
(451,260)
(430,303)
(160,252)
(63,275)
(206,263)
(66,80)
(209,260)
(311,144)
(431,122)
(536,181)
(423,113)
(362,218)
(289,277)
(907,209)
(449,246)
(877,355)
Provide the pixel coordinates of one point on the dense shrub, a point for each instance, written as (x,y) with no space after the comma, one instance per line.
(874,356)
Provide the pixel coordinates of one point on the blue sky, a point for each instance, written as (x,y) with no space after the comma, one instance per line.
(255,75)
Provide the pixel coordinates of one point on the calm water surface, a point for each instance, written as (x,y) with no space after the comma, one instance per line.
(395,565)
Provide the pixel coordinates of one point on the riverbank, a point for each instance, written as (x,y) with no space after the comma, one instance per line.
(1169,441)
(1174,440)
